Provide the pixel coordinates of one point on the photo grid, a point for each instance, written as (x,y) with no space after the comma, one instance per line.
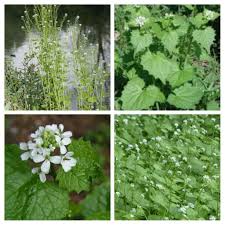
(112,111)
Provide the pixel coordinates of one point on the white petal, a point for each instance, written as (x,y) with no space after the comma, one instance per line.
(41,129)
(46,151)
(25,156)
(33,135)
(45,167)
(66,141)
(23,146)
(31,145)
(39,141)
(42,177)
(57,138)
(67,134)
(55,159)
(61,127)
(66,165)
(69,154)
(34,152)
(38,158)
(73,162)
(55,128)
(63,149)
(35,170)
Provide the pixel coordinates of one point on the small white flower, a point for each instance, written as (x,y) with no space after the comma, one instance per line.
(118,194)
(24,147)
(68,161)
(185,159)
(206,178)
(140,21)
(204,167)
(159,186)
(158,138)
(191,205)
(169,15)
(176,125)
(125,121)
(212,217)
(183,210)
(41,174)
(189,166)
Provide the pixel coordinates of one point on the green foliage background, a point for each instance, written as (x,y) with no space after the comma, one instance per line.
(169,62)
(167,167)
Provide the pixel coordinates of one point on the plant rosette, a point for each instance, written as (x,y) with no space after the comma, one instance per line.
(48,145)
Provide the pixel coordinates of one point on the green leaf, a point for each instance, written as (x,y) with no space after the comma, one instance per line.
(198,20)
(170,40)
(135,97)
(213,105)
(204,37)
(140,42)
(26,198)
(186,96)
(131,74)
(79,178)
(179,20)
(158,65)
(100,199)
(181,77)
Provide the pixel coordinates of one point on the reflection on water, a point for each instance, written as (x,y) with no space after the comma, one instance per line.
(95,24)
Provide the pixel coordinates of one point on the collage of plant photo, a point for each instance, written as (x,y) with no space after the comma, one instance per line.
(77,150)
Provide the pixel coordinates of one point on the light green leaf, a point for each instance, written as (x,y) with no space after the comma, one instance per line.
(135,96)
(186,96)
(204,37)
(198,20)
(158,65)
(100,199)
(180,77)
(131,74)
(87,168)
(179,20)
(213,105)
(26,198)
(140,42)
(170,40)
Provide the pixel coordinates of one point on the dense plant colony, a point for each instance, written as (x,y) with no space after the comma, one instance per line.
(58,71)
(167,167)
(59,168)
(166,57)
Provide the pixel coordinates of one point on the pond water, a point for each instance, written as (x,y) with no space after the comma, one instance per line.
(95,21)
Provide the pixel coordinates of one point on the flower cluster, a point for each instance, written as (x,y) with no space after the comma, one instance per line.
(140,21)
(209,14)
(48,145)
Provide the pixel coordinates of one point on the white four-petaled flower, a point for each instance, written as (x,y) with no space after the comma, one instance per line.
(41,149)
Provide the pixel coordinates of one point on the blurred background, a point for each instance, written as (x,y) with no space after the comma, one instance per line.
(95,128)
